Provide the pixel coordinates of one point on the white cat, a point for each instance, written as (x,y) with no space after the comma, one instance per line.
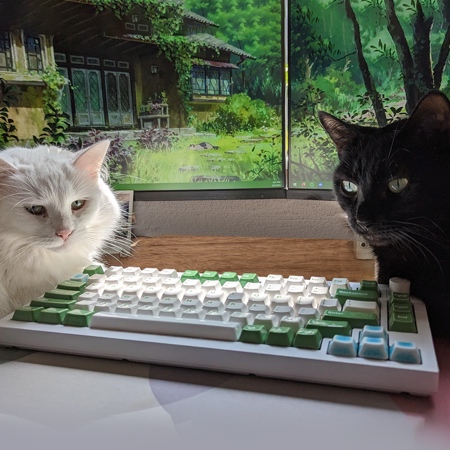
(56,213)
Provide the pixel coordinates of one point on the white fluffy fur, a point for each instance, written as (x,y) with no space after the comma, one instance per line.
(33,258)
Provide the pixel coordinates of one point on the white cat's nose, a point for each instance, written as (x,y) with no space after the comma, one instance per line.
(64,234)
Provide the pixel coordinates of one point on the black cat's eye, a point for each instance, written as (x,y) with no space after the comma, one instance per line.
(77,204)
(397,185)
(37,210)
(349,187)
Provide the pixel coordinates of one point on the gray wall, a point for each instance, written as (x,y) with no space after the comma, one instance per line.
(289,218)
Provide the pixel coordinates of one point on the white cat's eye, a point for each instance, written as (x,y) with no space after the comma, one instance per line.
(77,204)
(36,210)
(397,185)
(349,187)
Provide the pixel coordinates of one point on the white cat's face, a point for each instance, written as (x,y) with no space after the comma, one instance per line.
(56,199)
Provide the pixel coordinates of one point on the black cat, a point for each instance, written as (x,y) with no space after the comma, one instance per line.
(394,184)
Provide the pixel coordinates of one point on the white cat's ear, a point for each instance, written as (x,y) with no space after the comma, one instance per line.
(91,159)
(6,168)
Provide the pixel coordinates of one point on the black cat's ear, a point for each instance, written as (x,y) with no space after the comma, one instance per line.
(341,133)
(431,115)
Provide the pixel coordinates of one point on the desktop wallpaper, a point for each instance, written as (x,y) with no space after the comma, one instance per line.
(367,61)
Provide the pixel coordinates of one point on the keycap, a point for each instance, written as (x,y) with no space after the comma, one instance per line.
(353,318)
(242,318)
(209,275)
(359,306)
(248,278)
(80,277)
(53,303)
(294,323)
(402,322)
(329,328)
(62,294)
(254,334)
(266,320)
(93,269)
(329,304)
(308,338)
(338,283)
(349,294)
(193,313)
(228,277)
(400,285)
(342,346)
(369,285)
(52,315)
(405,352)
(169,326)
(373,331)
(373,348)
(190,274)
(78,318)
(27,313)
(72,285)
(281,336)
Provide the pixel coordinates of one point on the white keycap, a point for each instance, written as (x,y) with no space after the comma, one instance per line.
(231,286)
(236,297)
(152,291)
(266,320)
(296,290)
(173,292)
(148,300)
(282,311)
(209,285)
(274,279)
(329,304)
(242,318)
(319,292)
(152,282)
(132,281)
(111,289)
(113,270)
(108,298)
(308,313)
(171,282)
(338,283)
(281,300)
(361,306)
(251,288)
(126,308)
(213,305)
(217,316)
(225,331)
(400,285)
(149,272)
(193,313)
(88,296)
(305,302)
(114,279)
(190,283)
(194,294)
(295,280)
(214,295)
(168,273)
(259,308)
(129,299)
(87,305)
(104,307)
(132,289)
(97,288)
(169,301)
(148,310)
(232,307)
(96,278)
(190,304)
(170,312)
(294,323)
(316,282)
(257,299)
(274,289)
(130,271)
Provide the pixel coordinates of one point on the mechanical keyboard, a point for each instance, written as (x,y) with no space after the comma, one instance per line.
(360,335)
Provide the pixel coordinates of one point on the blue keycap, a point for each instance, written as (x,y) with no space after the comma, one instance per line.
(373,348)
(80,277)
(342,346)
(405,352)
(374,332)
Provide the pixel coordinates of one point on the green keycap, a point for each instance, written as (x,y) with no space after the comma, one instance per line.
(228,276)
(329,328)
(253,334)
(248,278)
(402,308)
(368,285)
(53,315)
(94,269)
(308,339)
(72,285)
(282,336)
(190,275)
(356,319)
(399,297)
(27,313)
(209,275)
(53,303)
(78,318)
(402,322)
(62,294)
(349,294)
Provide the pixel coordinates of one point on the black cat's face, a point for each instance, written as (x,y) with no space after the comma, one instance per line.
(393,182)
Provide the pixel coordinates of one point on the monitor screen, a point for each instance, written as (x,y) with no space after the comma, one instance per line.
(367,62)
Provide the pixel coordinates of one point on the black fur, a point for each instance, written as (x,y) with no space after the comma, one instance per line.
(409,231)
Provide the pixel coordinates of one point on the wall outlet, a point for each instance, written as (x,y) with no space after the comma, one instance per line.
(362,249)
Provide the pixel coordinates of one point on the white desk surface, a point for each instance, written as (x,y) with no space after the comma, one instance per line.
(53,401)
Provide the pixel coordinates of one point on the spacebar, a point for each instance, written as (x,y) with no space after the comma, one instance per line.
(220,331)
